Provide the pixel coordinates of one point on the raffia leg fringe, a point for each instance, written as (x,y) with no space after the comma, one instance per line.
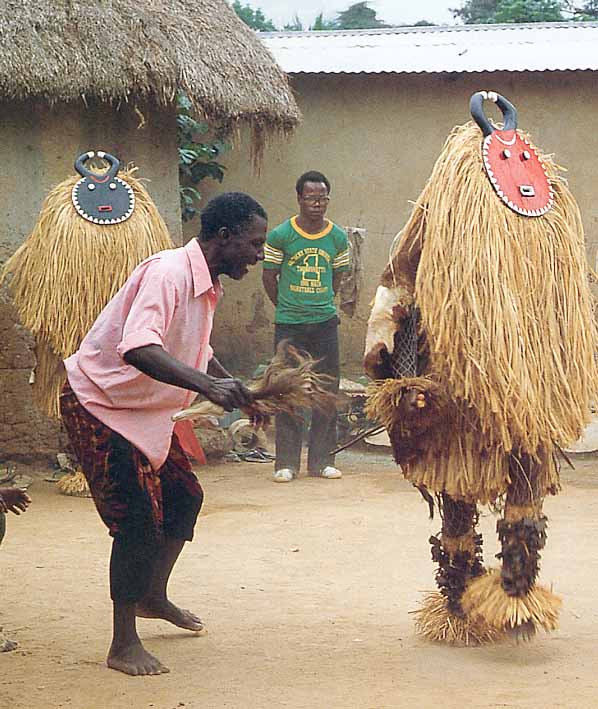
(485,599)
(74,484)
(435,622)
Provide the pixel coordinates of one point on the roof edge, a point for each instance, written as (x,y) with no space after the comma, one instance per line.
(432,29)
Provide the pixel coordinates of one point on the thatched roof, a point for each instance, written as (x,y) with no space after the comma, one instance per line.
(65,50)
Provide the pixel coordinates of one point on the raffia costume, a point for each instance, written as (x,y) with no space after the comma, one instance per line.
(490,274)
(94,228)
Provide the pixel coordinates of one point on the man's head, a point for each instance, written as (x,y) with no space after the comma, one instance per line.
(313,195)
(233,233)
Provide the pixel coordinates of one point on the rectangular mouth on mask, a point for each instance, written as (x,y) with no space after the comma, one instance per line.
(527,191)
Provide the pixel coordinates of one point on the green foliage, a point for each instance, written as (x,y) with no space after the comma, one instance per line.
(476,12)
(585,11)
(197,160)
(511,11)
(528,11)
(295,26)
(358,17)
(320,24)
(253,18)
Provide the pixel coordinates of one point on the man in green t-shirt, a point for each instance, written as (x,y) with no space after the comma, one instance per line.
(305,257)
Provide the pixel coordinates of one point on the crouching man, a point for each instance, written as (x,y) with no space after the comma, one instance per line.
(147,355)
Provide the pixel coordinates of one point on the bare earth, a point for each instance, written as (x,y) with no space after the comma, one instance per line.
(305,589)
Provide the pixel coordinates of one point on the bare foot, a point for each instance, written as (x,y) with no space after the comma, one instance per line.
(134,660)
(166,610)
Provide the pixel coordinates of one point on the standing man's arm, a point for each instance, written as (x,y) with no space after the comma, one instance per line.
(270,281)
(337,277)
(274,255)
(342,261)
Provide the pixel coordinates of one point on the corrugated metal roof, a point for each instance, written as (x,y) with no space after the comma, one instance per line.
(463,48)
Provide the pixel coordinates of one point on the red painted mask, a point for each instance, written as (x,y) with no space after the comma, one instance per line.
(512,164)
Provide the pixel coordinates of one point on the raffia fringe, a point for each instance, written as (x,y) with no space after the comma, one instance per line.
(464,543)
(460,462)
(384,399)
(515,513)
(434,622)
(67,270)
(50,377)
(505,303)
(485,599)
(289,384)
(74,485)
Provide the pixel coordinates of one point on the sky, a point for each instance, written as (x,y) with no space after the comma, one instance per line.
(281,12)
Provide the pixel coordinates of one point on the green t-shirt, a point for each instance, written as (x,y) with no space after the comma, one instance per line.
(306,263)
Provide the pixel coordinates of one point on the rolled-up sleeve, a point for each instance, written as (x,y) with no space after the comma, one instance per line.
(151,312)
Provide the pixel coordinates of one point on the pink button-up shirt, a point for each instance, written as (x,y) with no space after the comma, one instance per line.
(169,300)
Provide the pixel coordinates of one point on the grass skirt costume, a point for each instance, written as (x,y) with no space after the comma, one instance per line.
(74,262)
(505,379)
(94,228)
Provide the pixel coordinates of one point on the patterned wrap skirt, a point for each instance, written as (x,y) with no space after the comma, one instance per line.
(132,498)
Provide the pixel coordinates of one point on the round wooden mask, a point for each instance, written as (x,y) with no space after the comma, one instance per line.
(512,164)
(102,198)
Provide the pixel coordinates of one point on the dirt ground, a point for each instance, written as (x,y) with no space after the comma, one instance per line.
(305,589)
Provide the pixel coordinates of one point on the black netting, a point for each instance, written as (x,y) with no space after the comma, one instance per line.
(404,356)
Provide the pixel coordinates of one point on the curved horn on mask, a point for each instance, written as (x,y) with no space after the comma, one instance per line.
(476,107)
(113,162)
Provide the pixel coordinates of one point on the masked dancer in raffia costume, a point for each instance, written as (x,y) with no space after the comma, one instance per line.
(94,228)
(488,289)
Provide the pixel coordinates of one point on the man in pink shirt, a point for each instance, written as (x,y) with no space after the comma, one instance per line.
(147,356)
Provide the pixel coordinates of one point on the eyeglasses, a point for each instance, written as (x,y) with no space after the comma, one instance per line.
(316,200)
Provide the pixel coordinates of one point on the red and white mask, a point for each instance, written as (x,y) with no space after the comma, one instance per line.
(512,164)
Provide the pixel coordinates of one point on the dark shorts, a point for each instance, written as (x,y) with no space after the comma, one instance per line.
(131,498)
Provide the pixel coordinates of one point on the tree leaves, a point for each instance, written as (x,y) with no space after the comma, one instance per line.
(197,160)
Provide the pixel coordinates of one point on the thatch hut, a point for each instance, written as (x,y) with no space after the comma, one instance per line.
(78,75)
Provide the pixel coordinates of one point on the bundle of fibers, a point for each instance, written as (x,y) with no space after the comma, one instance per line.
(505,302)
(408,408)
(289,384)
(74,484)
(485,599)
(434,622)
(458,460)
(67,270)
(393,404)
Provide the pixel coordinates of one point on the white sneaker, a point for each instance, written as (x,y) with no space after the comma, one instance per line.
(331,473)
(284,475)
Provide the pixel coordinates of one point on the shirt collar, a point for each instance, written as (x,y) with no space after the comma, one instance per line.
(202,280)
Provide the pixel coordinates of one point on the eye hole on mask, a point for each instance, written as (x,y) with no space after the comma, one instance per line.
(506,154)
(525,155)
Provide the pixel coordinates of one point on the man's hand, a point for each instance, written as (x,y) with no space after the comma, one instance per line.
(228,393)
(13,500)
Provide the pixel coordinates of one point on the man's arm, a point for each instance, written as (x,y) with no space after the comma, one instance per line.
(270,281)
(337,277)
(154,361)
